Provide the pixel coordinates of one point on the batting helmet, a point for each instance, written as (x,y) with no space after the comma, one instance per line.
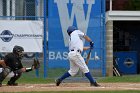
(71,29)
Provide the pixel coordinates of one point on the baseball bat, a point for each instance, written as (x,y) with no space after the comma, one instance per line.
(87,59)
(88,56)
(116,71)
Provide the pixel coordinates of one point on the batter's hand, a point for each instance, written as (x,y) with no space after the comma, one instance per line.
(91,45)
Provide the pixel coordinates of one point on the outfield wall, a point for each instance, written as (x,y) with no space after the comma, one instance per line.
(86,15)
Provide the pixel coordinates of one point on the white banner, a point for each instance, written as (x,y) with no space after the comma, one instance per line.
(28,34)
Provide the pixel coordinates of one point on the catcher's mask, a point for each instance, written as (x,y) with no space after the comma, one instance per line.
(18,50)
(71,29)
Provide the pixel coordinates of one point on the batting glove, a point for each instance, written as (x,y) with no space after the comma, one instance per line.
(91,44)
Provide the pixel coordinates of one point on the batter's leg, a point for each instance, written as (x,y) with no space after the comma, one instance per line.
(73,70)
(82,65)
(59,80)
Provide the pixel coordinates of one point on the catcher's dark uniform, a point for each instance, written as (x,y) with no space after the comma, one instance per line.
(14,63)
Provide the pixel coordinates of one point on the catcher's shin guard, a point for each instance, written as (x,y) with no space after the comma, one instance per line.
(2,77)
(13,80)
(3,74)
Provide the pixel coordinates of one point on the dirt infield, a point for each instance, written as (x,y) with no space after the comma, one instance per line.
(70,87)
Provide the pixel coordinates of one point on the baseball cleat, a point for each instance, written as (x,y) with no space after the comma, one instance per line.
(0,84)
(95,84)
(12,84)
(58,81)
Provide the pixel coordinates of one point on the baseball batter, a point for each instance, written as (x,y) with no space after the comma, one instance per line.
(76,60)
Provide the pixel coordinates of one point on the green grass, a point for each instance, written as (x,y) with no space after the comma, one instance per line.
(30,80)
(125,78)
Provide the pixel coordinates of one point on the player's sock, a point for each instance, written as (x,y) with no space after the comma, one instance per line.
(65,76)
(91,79)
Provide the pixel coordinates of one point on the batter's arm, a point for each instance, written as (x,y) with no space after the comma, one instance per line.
(87,38)
(86,48)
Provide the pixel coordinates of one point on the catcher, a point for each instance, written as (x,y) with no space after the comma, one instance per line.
(12,66)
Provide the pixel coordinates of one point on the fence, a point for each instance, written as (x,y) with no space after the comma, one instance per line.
(23,23)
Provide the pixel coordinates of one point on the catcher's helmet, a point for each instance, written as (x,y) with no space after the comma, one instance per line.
(71,29)
(18,50)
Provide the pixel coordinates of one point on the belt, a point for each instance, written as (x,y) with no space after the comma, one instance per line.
(77,50)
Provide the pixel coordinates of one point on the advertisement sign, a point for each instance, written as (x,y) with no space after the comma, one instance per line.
(127,62)
(28,34)
(86,16)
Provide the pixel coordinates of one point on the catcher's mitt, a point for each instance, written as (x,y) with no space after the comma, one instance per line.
(36,64)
